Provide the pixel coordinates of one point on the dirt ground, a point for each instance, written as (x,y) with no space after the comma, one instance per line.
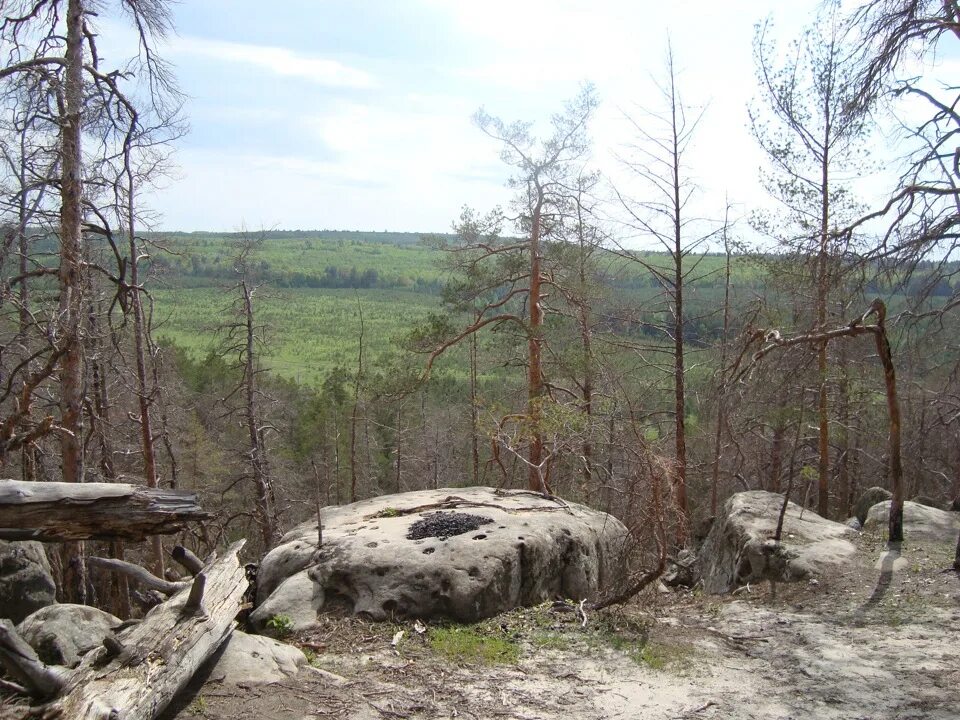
(880,640)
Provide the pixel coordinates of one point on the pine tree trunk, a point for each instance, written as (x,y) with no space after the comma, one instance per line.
(70,277)
(535,388)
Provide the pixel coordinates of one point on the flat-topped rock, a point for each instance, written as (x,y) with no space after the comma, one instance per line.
(740,548)
(460,553)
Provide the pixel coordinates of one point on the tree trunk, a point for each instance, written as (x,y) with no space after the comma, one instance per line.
(144,394)
(843,455)
(535,388)
(266,511)
(353,413)
(70,277)
(118,590)
(28,454)
(895,528)
(823,445)
(680,477)
(474,412)
(722,393)
(399,446)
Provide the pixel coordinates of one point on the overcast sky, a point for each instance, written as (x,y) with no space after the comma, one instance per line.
(357,114)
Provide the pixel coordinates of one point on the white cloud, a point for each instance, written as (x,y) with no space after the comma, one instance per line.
(278,60)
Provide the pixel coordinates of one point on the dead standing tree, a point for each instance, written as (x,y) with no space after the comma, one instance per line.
(51,47)
(771,340)
(658,159)
(243,339)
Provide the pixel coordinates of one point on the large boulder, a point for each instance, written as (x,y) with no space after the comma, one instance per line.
(460,553)
(919,521)
(26,583)
(869,498)
(247,658)
(62,634)
(740,548)
(928,501)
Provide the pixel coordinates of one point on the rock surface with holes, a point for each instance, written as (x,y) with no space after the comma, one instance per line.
(740,548)
(459,553)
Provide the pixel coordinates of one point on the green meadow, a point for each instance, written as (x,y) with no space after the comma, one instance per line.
(308,331)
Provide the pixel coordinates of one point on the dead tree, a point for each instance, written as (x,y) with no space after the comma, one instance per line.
(658,158)
(52,48)
(244,340)
(771,340)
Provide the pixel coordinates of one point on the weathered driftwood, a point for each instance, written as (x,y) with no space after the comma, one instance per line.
(140,670)
(22,664)
(186,559)
(57,511)
(137,573)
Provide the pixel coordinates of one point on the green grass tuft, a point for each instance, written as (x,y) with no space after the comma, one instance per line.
(470,645)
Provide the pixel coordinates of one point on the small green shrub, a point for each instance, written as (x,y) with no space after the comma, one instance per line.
(280,625)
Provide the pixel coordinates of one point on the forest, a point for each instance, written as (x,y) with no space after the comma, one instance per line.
(608,346)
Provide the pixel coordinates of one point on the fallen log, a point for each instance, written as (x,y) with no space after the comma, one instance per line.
(143,667)
(58,511)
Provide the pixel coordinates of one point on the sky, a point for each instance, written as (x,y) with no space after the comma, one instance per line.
(337,114)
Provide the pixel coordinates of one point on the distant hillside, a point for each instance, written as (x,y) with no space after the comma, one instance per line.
(372,236)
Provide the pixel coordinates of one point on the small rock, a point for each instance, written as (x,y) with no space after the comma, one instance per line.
(26,583)
(247,658)
(62,634)
(891,561)
(869,498)
(298,599)
(682,572)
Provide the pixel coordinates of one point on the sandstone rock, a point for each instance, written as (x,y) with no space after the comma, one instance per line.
(61,634)
(520,549)
(928,501)
(684,571)
(25,580)
(869,498)
(247,658)
(919,521)
(740,548)
(298,599)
